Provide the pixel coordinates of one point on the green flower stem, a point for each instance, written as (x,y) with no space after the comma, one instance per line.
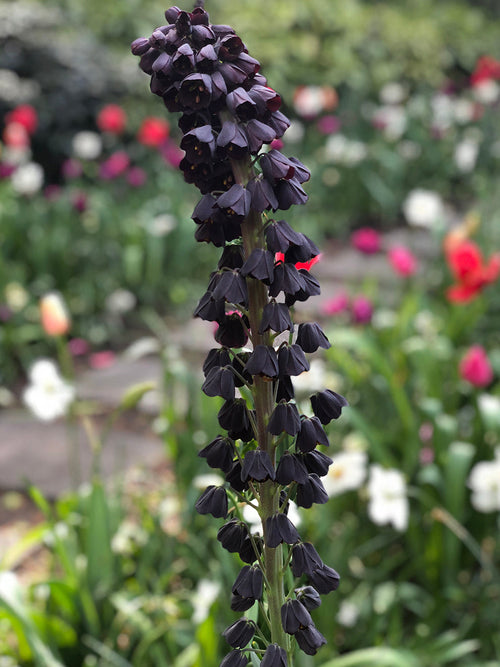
(253,237)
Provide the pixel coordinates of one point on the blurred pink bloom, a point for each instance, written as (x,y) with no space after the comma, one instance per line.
(337,304)
(79,201)
(277,144)
(426,455)
(153,131)
(115,165)
(426,431)
(362,310)
(5,313)
(15,135)
(78,347)
(112,119)
(328,124)
(366,239)
(403,261)
(52,192)
(24,115)
(102,359)
(172,154)
(136,177)
(475,367)
(6,170)
(71,168)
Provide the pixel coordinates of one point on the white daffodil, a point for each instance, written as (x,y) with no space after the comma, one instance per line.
(423,208)
(484,480)
(387,497)
(49,395)
(347,472)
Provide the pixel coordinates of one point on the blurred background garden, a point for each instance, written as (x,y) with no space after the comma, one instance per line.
(395,109)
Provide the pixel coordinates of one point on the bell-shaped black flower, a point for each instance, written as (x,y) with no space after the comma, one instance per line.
(327,405)
(286,279)
(232,534)
(265,98)
(285,418)
(311,434)
(213,501)
(279,236)
(216,358)
(234,414)
(292,360)
(247,552)
(199,144)
(231,257)
(263,197)
(259,265)
(311,287)
(294,616)
(232,74)
(246,433)
(280,529)
(232,331)
(235,203)
(290,469)
(195,91)
(258,133)
(317,462)
(311,492)
(305,559)
(232,141)
(247,588)
(219,453)
(303,251)
(284,389)
(183,61)
(324,579)
(220,382)
(230,47)
(231,287)
(279,122)
(206,59)
(208,309)
(310,337)
(309,597)
(310,639)
(263,361)
(240,104)
(275,656)
(275,166)
(140,46)
(241,375)
(257,465)
(233,476)
(234,659)
(275,316)
(289,193)
(239,633)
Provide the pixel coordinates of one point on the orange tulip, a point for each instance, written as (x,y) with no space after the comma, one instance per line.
(54,315)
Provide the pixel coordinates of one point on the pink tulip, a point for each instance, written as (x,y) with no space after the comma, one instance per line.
(403,261)
(337,304)
(366,240)
(362,310)
(475,367)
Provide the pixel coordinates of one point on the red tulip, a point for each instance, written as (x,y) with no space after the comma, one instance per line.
(475,367)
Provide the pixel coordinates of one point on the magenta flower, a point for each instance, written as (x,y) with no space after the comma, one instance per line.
(403,261)
(475,367)
(78,347)
(362,310)
(114,166)
(277,144)
(337,304)
(136,177)
(103,359)
(366,240)
(71,168)
(328,124)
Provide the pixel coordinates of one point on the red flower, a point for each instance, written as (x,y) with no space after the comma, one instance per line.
(470,270)
(403,261)
(487,68)
(366,240)
(112,119)
(25,115)
(153,131)
(475,367)
(280,257)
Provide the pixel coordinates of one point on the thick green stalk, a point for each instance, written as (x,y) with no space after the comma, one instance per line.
(253,237)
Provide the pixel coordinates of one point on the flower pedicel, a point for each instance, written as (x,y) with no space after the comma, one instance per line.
(268,452)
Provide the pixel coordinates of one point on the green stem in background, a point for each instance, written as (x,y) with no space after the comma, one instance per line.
(68,370)
(253,237)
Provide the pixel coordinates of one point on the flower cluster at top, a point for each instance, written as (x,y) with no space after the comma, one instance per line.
(268,452)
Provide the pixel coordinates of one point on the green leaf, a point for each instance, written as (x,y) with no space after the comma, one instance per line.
(379,656)
(99,553)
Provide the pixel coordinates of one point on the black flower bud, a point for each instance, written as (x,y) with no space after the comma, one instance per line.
(324,579)
(232,331)
(219,382)
(216,358)
(263,361)
(305,559)
(257,465)
(280,529)
(311,434)
(234,659)
(235,202)
(258,133)
(285,417)
(213,501)
(310,337)
(239,633)
(311,492)
(219,453)
(275,656)
(279,236)
(259,265)
(294,616)
(317,462)
(291,469)
(247,552)
(275,316)
(231,287)
(233,477)
(309,597)
(199,144)
(286,279)
(263,197)
(232,534)
(292,360)
(327,405)
(232,141)
(310,639)
(247,588)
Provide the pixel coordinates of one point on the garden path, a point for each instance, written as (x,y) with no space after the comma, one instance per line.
(37,452)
